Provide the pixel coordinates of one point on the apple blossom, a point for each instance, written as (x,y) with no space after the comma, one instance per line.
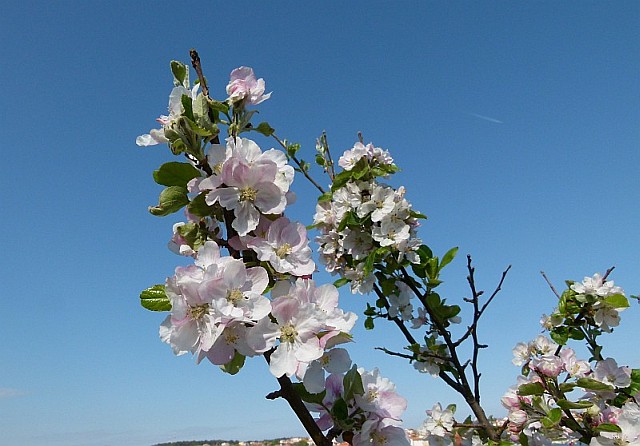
(244,87)
(285,247)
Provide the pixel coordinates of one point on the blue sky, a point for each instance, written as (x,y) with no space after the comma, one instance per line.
(516,124)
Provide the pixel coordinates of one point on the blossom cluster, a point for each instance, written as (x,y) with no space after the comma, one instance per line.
(542,399)
(365,220)
(259,299)
(363,404)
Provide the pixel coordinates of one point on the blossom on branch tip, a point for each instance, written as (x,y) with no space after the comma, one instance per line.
(244,87)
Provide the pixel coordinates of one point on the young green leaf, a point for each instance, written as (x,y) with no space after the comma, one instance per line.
(233,366)
(155,299)
(175,174)
(180,73)
(172,199)
(448,257)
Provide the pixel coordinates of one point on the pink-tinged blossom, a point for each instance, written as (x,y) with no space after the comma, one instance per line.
(325,300)
(249,192)
(575,368)
(285,247)
(547,365)
(629,423)
(378,433)
(608,372)
(334,361)
(380,396)
(236,292)
(297,327)
(231,340)
(243,86)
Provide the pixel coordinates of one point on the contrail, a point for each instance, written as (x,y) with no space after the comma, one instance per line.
(487,118)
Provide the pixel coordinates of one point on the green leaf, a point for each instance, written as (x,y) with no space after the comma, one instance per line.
(172,199)
(265,129)
(608,427)
(340,282)
(617,301)
(566,387)
(448,257)
(199,206)
(592,384)
(308,397)
(233,366)
(565,404)
(340,180)
(175,174)
(180,73)
(327,196)
(352,383)
(188,107)
(535,388)
(368,323)
(340,410)
(201,114)
(155,299)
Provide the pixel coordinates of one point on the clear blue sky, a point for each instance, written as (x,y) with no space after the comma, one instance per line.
(516,124)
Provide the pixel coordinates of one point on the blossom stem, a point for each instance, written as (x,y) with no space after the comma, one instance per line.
(299,164)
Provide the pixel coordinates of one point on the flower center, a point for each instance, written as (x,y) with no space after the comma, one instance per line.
(283,250)
(198,311)
(288,333)
(234,296)
(248,194)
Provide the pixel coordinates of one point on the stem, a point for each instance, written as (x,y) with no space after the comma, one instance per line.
(288,393)
(195,63)
(299,164)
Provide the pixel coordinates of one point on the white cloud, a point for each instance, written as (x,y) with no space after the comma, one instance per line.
(7,392)
(487,118)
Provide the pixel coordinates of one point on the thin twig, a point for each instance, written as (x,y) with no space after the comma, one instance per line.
(299,163)
(550,284)
(195,63)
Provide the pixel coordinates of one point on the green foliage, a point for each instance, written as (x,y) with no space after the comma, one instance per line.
(175,174)
(172,199)
(307,397)
(180,74)
(155,299)
(235,365)
(534,388)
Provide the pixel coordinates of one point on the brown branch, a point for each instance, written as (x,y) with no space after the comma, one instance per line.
(288,393)
(195,63)
(550,284)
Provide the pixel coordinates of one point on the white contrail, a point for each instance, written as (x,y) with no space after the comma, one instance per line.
(487,118)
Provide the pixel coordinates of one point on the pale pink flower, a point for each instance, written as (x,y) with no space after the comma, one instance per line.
(243,86)
(608,372)
(296,327)
(548,365)
(285,247)
(250,191)
(380,396)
